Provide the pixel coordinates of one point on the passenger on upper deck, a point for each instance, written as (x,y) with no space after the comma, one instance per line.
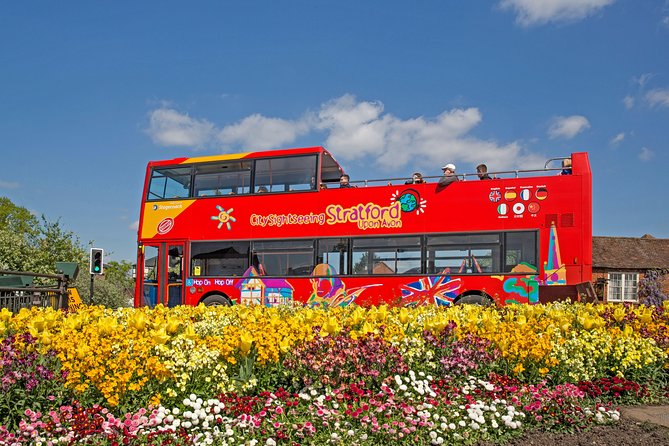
(344,181)
(449,175)
(482,172)
(566,166)
(417,178)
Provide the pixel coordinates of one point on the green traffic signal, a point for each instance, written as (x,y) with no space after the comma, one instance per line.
(96,261)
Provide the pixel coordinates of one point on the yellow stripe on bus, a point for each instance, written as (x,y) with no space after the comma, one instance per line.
(207,159)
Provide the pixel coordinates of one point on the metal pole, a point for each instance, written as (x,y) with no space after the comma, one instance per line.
(92,275)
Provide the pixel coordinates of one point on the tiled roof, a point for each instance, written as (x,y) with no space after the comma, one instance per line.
(642,253)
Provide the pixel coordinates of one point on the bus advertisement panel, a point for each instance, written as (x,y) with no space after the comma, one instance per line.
(275,228)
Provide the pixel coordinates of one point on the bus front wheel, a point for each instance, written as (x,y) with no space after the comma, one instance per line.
(475,299)
(216,300)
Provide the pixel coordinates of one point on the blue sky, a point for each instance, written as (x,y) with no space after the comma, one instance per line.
(91,91)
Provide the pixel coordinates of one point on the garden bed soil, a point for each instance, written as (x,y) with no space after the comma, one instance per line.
(626,432)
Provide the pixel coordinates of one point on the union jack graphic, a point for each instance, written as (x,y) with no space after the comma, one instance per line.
(438,290)
(495,196)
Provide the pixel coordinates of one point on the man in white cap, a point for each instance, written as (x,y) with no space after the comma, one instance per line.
(449,175)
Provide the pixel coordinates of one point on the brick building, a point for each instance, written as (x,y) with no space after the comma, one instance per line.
(618,263)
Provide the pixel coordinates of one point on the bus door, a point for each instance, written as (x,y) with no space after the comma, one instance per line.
(163,274)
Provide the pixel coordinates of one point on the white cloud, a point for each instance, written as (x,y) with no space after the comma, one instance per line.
(539,12)
(617,139)
(628,101)
(658,97)
(134,225)
(169,127)
(646,154)
(361,131)
(357,130)
(568,126)
(643,79)
(665,21)
(258,132)
(8,184)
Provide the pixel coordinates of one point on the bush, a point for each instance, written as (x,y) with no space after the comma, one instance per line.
(650,287)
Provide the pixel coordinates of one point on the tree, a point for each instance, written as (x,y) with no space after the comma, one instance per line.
(32,244)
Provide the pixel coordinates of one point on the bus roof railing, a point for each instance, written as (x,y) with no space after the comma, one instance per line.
(497,175)
(561,158)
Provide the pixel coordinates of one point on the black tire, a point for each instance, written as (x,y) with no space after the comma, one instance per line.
(216,300)
(475,299)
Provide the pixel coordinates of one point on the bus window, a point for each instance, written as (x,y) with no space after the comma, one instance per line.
(285,258)
(169,183)
(228,178)
(219,258)
(294,173)
(464,253)
(520,247)
(150,291)
(174,275)
(396,255)
(334,252)
(330,169)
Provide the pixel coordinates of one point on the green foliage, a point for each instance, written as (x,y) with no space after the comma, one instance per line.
(32,244)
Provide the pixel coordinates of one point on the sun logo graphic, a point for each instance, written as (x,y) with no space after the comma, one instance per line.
(409,200)
(224,217)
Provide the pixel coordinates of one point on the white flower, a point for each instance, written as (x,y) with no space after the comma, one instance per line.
(270,442)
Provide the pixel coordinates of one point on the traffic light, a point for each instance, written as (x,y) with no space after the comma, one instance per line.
(97,260)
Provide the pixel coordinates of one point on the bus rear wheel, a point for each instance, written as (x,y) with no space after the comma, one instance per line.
(475,299)
(216,300)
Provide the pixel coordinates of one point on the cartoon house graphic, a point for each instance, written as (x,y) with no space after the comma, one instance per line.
(254,290)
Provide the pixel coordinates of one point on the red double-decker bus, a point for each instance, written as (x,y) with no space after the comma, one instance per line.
(275,228)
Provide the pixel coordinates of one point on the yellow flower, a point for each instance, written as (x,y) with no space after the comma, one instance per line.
(331,327)
(38,325)
(5,315)
(284,345)
(543,370)
(518,368)
(172,326)
(587,322)
(189,333)
(138,321)
(645,315)
(159,337)
(619,314)
(382,313)
(245,342)
(404,315)
(107,326)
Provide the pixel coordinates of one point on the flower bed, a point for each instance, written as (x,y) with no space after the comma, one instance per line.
(240,375)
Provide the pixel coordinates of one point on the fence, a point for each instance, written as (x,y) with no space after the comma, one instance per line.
(17,290)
